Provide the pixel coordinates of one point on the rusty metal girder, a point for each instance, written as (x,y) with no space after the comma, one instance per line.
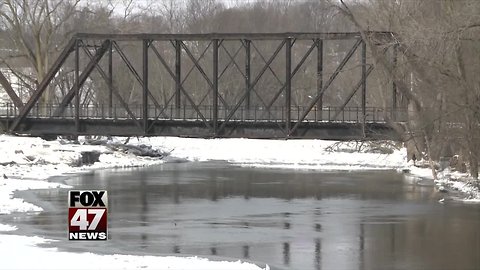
(43,85)
(209,62)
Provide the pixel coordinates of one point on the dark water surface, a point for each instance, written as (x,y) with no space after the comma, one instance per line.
(289,218)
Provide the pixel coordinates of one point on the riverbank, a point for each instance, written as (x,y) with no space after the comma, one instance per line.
(26,161)
(31,159)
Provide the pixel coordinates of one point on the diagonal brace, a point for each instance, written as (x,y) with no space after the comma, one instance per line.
(200,69)
(114,90)
(86,72)
(352,93)
(43,85)
(190,100)
(325,87)
(135,73)
(295,70)
(267,65)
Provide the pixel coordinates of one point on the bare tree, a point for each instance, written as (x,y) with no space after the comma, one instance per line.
(36,33)
(438,43)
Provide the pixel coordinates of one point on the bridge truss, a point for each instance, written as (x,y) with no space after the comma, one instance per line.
(263,85)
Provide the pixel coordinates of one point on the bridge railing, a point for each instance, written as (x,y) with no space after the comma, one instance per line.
(189,113)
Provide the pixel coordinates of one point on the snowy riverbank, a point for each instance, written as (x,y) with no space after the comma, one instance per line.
(25,162)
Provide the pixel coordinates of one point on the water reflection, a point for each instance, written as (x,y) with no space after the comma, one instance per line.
(286,254)
(246,252)
(297,219)
(318,254)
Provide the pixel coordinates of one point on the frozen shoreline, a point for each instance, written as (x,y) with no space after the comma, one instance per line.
(27,161)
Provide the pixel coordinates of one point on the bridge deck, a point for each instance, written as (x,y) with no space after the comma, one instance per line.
(192,128)
(328,123)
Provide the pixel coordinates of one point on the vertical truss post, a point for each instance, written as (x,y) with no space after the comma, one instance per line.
(178,70)
(247,73)
(110,80)
(319,79)
(77,87)
(145,85)
(364,79)
(288,84)
(394,86)
(215,86)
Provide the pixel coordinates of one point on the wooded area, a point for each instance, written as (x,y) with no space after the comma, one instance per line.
(435,46)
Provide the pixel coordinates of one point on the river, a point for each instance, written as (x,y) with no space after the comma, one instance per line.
(291,219)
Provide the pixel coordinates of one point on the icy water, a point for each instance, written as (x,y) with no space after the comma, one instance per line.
(287,218)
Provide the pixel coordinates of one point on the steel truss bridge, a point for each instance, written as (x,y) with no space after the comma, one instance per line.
(162,99)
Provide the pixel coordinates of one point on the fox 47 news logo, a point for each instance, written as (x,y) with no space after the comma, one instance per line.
(87,215)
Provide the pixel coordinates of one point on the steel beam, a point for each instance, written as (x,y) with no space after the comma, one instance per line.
(319,105)
(202,72)
(364,80)
(135,73)
(252,85)
(155,51)
(295,70)
(247,73)
(114,91)
(237,36)
(288,84)
(353,92)
(175,77)
(127,127)
(145,91)
(216,125)
(187,96)
(86,72)
(215,86)
(43,85)
(267,106)
(232,61)
(110,79)
(356,87)
(329,82)
(265,61)
(262,102)
(193,68)
(178,74)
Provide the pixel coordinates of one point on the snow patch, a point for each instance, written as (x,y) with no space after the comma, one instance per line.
(298,154)
(15,249)
(7,228)
(8,204)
